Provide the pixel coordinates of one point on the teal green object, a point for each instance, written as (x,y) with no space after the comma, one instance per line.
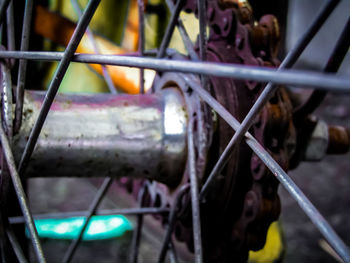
(100,227)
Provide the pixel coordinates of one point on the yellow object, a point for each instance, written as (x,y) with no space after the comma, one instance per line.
(273,249)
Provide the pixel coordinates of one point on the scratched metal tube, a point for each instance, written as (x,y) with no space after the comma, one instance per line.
(314,215)
(298,78)
(107,135)
(269,90)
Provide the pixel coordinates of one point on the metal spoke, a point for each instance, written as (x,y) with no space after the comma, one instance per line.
(135,244)
(266,94)
(196,220)
(123,211)
(4,250)
(171,222)
(56,81)
(172,253)
(141,6)
(282,176)
(136,237)
(15,245)
(333,64)
(10,30)
(22,69)
(185,38)
(3,7)
(202,16)
(105,73)
(92,209)
(170,29)
(298,78)
(21,195)
(184,35)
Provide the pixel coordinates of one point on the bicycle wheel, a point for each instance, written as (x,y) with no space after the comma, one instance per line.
(248,200)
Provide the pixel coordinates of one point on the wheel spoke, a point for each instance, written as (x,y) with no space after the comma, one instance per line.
(136,237)
(4,249)
(298,78)
(172,253)
(196,220)
(170,29)
(21,195)
(10,30)
(92,209)
(184,35)
(22,69)
(141,6)
(202,17)
(56,81)
(170,226)
(3,7)
(105,73)
(334,62)
(16,246)
(268,91)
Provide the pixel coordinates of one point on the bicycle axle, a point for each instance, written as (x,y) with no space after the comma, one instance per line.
(105,135)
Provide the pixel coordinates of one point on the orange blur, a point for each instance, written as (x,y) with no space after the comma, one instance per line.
(59,30)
